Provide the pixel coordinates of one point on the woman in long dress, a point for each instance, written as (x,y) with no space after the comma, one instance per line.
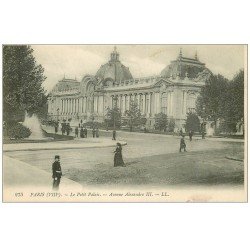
(118,161)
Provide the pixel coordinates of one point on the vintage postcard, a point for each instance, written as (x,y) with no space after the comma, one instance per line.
(124,123)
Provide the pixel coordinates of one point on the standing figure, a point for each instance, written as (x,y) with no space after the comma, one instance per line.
(191,133)
(76,132)
(203,134)
(85,132)
(56,127)
(118,160)
(67,128)
(183,144)
(93,132)
(114,135)
(97,132)
(63,128)
(56,172)
(81,133)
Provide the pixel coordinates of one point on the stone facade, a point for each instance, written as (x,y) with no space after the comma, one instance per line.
(173,92)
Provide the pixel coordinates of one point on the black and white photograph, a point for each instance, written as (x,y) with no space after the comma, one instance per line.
(124,123)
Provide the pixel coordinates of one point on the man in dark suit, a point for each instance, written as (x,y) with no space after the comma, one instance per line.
(183,144)
(56,172)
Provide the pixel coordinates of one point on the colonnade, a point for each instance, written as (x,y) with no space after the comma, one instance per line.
(81,105)
(149,103)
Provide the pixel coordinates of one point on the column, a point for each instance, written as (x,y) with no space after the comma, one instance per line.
(85,104)
(98,104)
(128,102)
(143,103)
(149,103)
(123,104)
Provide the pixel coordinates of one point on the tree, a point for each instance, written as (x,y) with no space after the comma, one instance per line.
(161,121)
(22,83)
(134,115)
(192,122)
(209,105)
(233,103)
(113,117)
(171,125)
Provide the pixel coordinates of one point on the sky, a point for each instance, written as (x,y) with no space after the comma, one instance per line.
(75,61)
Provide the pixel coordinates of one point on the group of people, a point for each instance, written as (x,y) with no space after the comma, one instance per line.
(65,128)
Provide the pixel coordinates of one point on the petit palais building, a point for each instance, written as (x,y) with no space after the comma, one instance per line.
(173,92)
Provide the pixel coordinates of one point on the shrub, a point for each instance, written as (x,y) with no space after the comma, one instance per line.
(171,125)
(17,131)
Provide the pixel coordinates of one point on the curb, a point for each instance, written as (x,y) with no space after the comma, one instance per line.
(233,159)
(61,148)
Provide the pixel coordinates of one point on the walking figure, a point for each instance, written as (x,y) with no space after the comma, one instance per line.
(114,135)
(82,133)
(203,134)
(56,172)
(118,160)
(183,144)
(76,132)
(97,132)
(191,133)
(67,128)
(85,132)
(93,132)
(56,127)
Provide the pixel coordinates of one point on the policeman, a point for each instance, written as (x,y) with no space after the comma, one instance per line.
(56,172)
(183,144)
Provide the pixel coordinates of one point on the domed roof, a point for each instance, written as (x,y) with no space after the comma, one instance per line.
(114,69)
(184,66)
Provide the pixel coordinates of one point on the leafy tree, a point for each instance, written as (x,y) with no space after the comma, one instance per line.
(134,115)
(113,117)
(161,121)
(192,122)
(233,103)
(210,102)
(22,83)
(171,125)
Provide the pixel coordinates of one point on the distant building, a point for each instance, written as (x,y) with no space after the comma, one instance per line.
(173,92)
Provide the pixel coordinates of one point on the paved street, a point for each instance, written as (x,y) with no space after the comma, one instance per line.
(151,159)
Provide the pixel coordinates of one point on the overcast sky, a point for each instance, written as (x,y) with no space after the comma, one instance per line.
(142,60)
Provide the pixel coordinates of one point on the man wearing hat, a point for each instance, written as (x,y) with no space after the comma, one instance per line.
(57,172)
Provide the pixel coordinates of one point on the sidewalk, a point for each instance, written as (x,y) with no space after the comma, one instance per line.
(20,174)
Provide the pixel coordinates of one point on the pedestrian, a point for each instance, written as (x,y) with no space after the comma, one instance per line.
(191,135)
(93,132)
(183,144)
(203,134)
(82,133)
(85,132)
(118,160)
(63,128)
(56,172)
(56,127)
(114,135)
(76,131)
(97,132)
(67,128)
